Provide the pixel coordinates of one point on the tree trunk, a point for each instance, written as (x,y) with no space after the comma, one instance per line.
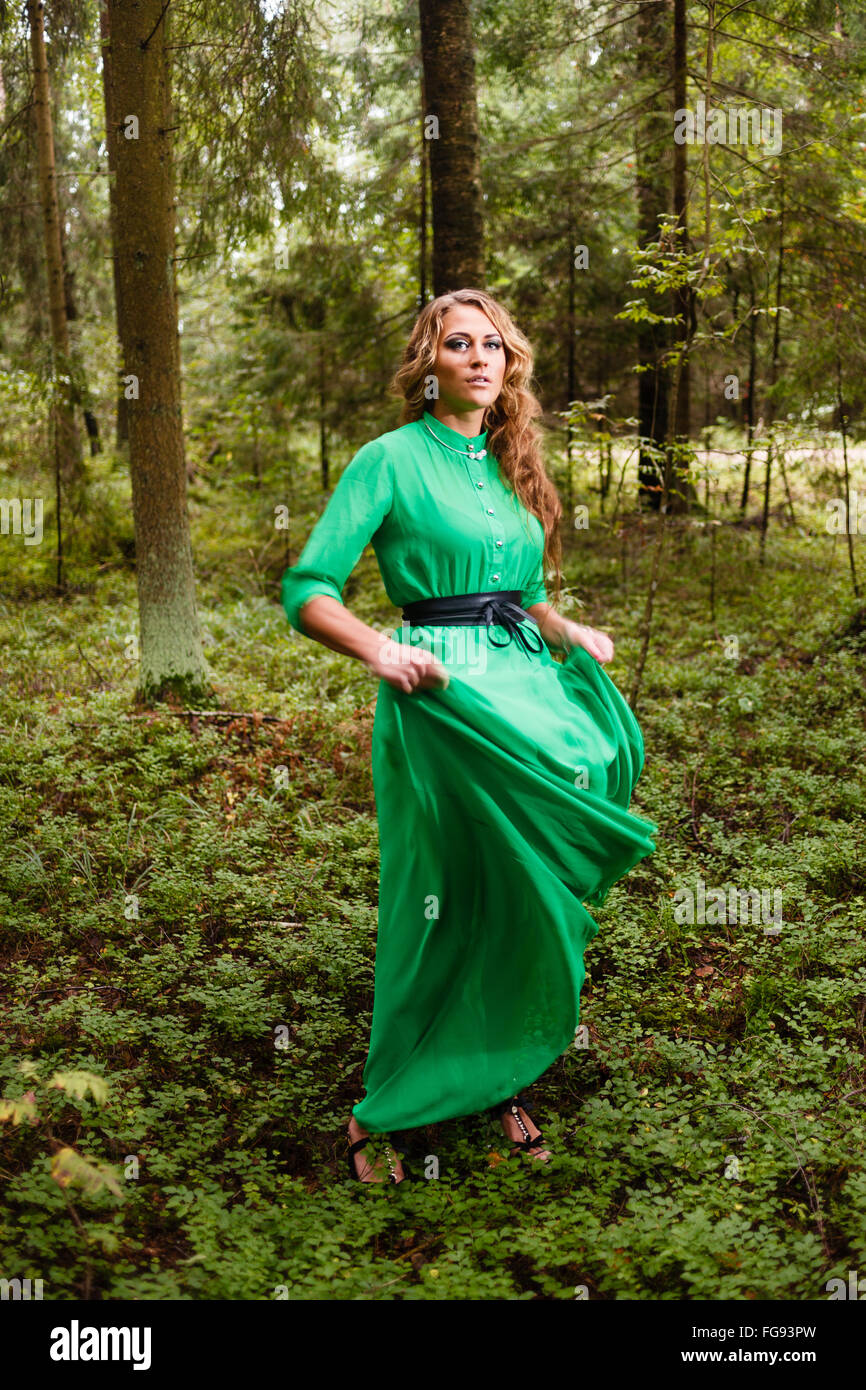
(774,377)
(451,119)
(681,488)
(81,396)
(121,422)
(67,442)
(570,364)
(750,399)
(652,179)
(324,459)
(422,208)
(843,425)
(683,297)
(144,248)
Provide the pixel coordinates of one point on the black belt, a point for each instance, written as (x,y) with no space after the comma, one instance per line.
(499,606)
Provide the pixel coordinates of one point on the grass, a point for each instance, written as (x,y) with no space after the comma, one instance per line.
(188,914)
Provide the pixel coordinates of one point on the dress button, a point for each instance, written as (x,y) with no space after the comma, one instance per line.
(495,576)
(499,542)
(479,484)
(490,511)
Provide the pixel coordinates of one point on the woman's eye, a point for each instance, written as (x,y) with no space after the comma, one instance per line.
(464,342)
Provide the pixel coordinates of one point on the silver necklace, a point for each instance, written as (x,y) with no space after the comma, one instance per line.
(473,453)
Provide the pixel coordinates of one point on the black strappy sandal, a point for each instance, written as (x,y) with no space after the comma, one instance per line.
(524,1145)
(389,1152)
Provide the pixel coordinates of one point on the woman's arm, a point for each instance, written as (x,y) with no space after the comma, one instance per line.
(401,665)
(313,587)
(561,634)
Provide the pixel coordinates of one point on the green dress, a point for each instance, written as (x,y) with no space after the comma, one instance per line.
(502,801)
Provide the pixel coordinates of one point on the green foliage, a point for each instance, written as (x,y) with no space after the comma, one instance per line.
(188,904)
(187,923)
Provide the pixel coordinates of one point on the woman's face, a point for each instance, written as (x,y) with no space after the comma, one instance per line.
(470,361)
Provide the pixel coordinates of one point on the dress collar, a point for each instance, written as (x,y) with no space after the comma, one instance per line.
(453,438)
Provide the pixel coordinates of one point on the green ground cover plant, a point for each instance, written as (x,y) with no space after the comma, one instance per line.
(187,933)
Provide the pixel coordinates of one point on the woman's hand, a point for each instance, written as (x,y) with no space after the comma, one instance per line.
(598,644)
(407,667)
(561,634)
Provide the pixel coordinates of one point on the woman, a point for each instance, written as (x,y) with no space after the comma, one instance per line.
(502,777)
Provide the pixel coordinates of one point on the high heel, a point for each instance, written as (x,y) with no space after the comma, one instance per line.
(389,1155)
(513,1106)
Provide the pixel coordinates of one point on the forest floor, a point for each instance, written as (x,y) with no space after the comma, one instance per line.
(187,931)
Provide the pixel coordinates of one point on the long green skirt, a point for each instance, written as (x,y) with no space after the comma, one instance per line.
(502,804)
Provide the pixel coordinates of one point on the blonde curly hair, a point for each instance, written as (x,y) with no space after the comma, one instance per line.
(512,437)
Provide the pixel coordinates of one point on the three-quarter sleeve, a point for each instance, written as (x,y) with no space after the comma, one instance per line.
(355,511)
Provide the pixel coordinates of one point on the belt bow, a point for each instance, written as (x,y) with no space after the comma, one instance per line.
(495,606)
(510,616)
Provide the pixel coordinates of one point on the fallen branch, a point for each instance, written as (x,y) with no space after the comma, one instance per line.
(190,713)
